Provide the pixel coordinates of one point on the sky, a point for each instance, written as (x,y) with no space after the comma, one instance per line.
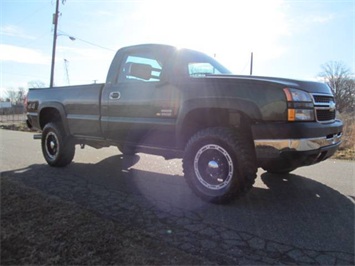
(288,38)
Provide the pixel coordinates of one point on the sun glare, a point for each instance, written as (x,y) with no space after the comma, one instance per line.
(228,29)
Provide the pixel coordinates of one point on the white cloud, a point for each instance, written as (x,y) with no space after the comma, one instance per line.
(22,55)
(14,31)
(103,13)
(322,19)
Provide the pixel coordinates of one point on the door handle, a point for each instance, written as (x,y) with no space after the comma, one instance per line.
(115,95)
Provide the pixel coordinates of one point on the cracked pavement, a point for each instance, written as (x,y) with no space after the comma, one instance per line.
(291,219)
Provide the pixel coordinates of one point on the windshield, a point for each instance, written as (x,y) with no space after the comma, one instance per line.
(196,64)
(198,69)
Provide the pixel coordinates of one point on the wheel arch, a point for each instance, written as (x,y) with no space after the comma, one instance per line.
(53,112)
(238,114)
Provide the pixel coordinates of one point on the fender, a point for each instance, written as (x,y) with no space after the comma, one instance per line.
(58,107)
(232,105)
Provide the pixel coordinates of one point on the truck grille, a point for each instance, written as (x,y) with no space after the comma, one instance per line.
(325,115)
(322,98)
(325,107)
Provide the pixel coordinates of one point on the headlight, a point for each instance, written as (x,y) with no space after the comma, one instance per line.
(294,95)
(299,105)
(298,95)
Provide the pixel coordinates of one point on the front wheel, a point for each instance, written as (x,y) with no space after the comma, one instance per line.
(219,164)
(57,148)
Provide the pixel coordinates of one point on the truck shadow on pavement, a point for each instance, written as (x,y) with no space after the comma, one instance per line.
(292,211)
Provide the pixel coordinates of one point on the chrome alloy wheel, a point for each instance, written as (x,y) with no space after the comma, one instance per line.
(213,167)
(52,145)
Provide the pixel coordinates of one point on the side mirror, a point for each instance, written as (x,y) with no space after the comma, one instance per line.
(137,70)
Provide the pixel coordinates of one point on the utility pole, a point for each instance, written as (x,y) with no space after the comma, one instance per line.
(55,22)
(251,64)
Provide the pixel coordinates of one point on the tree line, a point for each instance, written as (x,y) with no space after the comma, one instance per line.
(17,96)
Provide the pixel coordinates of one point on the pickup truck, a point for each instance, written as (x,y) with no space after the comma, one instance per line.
(180,103)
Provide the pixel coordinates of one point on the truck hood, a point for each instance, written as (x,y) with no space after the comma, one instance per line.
(309,86)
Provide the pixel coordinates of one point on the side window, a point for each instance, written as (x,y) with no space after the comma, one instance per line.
(141,68)
(201,69)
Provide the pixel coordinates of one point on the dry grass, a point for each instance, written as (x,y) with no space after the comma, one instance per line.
(18,126)
(38,230)
(347,148)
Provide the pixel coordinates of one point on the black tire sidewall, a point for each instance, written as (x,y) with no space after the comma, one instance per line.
(65,152)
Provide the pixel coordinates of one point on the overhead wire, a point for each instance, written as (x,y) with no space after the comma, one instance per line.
(85,41)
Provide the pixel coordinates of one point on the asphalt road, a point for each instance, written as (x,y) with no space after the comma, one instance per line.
(306,217)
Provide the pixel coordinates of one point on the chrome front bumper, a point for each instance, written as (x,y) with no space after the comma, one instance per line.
(272,148)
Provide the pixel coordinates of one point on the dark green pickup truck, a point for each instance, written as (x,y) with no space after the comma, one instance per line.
(180,103)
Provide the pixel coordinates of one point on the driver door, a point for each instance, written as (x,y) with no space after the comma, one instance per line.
(141,107)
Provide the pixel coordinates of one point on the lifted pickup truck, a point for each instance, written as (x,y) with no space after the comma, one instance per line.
(180,103)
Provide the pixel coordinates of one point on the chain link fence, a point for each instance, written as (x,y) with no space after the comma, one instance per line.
(13,114)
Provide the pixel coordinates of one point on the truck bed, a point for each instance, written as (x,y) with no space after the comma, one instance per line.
(80,104)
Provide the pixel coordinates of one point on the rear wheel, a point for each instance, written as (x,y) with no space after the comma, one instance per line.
(57,148)
(219,164)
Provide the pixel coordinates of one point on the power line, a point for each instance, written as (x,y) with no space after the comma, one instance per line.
(91,43)
(30,43)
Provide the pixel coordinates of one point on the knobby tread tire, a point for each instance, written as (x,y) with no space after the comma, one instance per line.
(242,150)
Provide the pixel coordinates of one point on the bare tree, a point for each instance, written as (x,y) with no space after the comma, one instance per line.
(21,94)
(16,96)
(338,76)
(11,96)
(36,84)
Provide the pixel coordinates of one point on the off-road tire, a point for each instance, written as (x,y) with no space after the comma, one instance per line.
(219,164)
(57,148)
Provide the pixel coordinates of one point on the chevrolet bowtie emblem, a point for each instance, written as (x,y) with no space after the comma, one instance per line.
(331,106)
